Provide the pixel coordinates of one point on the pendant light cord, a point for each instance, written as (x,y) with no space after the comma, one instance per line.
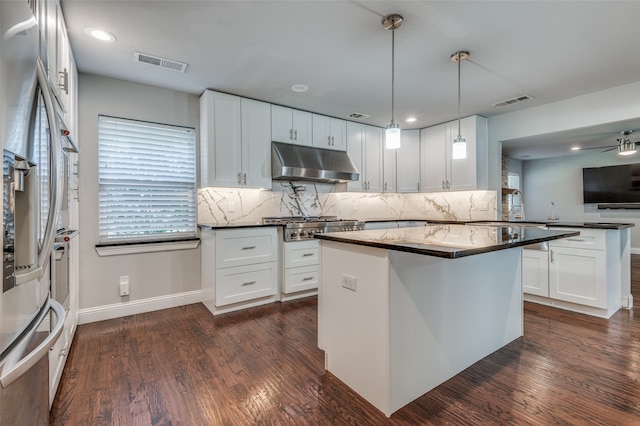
(393,61)
(459,60)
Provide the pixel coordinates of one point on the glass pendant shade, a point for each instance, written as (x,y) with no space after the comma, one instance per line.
(392,137)
(459,148)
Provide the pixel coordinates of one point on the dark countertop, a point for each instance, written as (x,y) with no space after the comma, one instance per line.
(448,240)
(585,225)
(235,225)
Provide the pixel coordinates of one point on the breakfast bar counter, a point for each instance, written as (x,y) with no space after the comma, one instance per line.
(402,310)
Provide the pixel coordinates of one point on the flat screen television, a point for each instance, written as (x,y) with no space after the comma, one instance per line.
(611,184)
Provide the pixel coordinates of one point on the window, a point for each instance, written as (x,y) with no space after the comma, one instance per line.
(147,181)
(513,182)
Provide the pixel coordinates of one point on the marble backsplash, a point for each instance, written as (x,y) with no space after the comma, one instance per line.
(238,205)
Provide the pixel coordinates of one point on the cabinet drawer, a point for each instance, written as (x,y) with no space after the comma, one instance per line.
(246,246)
(299,279)
(303,253)
(243,283)
(593,239)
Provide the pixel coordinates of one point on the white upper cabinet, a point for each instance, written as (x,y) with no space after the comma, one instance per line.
(290,125)
(365,148)
(408,162)
(235,143)
(329,132)
(389,169)
(439,172)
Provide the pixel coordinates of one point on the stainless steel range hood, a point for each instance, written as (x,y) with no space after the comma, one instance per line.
(298,162)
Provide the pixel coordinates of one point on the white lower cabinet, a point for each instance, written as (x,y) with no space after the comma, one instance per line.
(239,267)
(588,273)
(535,272)
(300,269)
(578,276)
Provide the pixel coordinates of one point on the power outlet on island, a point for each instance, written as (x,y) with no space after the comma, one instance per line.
(349,282)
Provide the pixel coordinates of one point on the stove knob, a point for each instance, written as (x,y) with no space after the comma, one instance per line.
(294,233)
(302,233)
(312,231)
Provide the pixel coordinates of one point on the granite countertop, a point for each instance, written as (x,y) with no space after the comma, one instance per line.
(236,225)
(448,240)
(554,224)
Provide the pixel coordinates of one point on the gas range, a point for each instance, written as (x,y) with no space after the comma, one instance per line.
(299,228)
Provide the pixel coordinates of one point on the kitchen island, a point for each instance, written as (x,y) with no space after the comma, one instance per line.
(403,310)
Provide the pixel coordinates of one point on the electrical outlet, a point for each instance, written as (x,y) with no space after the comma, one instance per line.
(231,207)
(349,282)
(124,285)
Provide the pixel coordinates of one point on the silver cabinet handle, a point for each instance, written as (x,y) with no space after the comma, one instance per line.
(64,80)
(385,186)
(239,178)
(290,134)
(244,180)
(248,283)
(307,254)
(248,248)
(551,256)
(333,141)
(295,134)
(329,140)
(307,278)
(442,184)
(418,186)
(576,240)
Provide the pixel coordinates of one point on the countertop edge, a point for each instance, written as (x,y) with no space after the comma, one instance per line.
(443,253)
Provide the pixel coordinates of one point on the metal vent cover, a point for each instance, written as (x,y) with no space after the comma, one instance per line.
(358,116)
(512,101)
(160,62)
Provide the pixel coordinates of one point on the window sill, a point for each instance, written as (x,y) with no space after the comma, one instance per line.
(117,250)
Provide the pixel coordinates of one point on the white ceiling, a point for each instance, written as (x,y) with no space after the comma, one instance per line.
(550,50)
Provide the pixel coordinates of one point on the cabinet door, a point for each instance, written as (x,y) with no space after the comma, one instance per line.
(535,272)
(432,159)
(220,140)
(302,125)
(355,138)
(281,124)
(338,133)
(390,170)
(256,144)
(321,131)
(408,162)
(578,276)
(373,148)
(462,174)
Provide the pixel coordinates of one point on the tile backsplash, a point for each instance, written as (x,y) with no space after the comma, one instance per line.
(238,205)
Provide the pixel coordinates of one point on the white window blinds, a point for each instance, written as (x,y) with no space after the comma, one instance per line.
(513,182)
(147,181)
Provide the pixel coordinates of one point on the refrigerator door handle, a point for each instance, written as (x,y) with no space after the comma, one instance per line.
(10,373)
(56,182)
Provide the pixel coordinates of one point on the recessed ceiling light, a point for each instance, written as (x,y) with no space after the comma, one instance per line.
(575,148)
(101,35)
(299,88)
(411,120)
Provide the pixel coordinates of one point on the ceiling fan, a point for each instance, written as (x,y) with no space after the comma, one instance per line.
(624,145)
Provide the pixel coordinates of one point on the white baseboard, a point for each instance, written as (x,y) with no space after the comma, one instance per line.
(117,310)
(635,250)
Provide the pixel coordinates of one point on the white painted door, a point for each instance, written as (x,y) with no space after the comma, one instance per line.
(338,134)
(302,125)
(281,124)
(373,158)
(321,131)
(256,144)
(578,276)
(408,162)
(535,272)
(355,137)
(432,159)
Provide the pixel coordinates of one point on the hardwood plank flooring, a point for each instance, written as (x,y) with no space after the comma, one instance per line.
(183,366)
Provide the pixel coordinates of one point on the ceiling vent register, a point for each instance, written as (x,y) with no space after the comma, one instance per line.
(512,101)
(358,116)
(160,62)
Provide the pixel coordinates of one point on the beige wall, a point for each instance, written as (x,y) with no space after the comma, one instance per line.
(160,276)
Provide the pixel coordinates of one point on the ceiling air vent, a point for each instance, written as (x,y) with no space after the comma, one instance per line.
(512,101)
(358,116)
(160,62)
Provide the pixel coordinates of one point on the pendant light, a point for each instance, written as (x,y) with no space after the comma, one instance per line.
(459,147)
(392,133)
(625,146)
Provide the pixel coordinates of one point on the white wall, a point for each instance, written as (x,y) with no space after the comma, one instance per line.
(157,279)
(560,180)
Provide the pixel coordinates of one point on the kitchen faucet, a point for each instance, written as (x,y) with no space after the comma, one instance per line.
(518,192)
(552,212)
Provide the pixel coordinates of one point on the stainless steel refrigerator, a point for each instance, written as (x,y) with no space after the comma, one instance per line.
(30,320)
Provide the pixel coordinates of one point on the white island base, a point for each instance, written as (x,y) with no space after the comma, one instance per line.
(414,320)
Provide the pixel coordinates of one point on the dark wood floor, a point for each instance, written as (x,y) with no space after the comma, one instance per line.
(182,366)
